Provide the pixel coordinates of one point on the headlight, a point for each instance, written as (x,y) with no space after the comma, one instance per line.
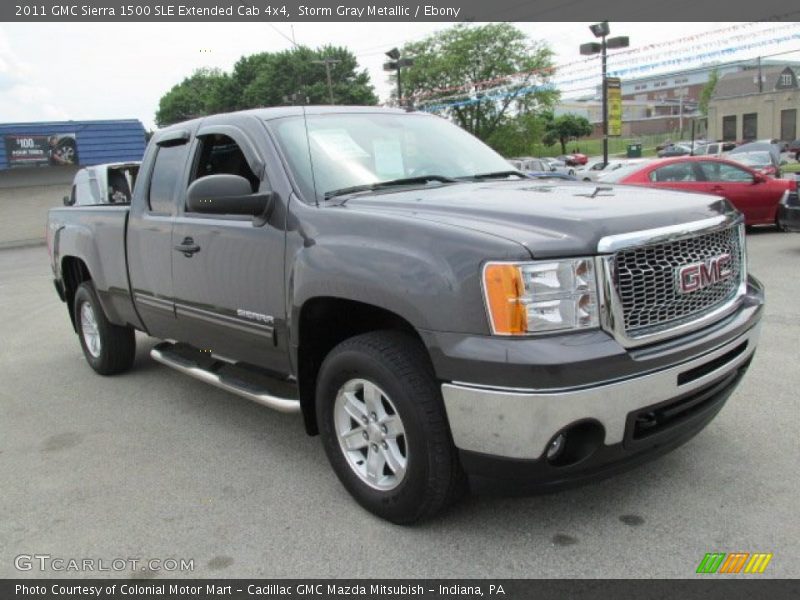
(540,297)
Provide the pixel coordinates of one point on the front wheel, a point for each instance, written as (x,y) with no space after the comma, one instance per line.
(108,348)
(384,427)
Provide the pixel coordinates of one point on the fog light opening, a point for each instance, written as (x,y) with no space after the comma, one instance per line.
(575,443)
(556,446)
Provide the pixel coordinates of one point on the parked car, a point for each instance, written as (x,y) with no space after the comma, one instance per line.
(559,165)
(759,160)
(794,148)
(427,310)
(533,166)
(575,159)
(763,146)
(110,183)
(597,169)
(789,212)
(674,150)
(756,195)
(714,148)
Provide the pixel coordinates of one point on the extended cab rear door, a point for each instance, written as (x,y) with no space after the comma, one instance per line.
(229,293)
(149,233)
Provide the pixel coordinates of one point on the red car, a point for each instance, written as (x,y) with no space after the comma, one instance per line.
(754,194)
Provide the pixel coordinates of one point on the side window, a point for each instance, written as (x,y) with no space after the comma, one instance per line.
(714,171)
(220,154)
(673,172)
(166,171)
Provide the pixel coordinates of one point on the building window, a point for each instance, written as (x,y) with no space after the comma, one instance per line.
(750,126)
(786,80)
(729,128)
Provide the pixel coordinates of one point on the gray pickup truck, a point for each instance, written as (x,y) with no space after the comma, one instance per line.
(436,318)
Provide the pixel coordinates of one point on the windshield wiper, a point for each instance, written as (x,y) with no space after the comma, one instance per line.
(496,175)
(378,185)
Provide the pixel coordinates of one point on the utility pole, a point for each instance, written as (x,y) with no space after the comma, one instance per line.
(328,62)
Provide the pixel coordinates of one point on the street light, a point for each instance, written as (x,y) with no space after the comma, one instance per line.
(396,64)
(601,30)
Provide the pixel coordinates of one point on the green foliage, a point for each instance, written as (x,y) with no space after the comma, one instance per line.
(564,128)
(708,91)
(475,59)
(515,135)
(269,79)
(193,97)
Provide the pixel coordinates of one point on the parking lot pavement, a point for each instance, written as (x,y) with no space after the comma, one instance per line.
(152,464)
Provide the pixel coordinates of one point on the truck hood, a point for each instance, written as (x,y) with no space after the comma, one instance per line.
(550,219)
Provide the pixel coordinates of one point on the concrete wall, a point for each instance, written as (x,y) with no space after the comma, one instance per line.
(25,197)
(768,106)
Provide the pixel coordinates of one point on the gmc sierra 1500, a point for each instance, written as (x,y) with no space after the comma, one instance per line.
(431,313)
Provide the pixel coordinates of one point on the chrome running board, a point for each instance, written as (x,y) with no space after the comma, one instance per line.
(257,387)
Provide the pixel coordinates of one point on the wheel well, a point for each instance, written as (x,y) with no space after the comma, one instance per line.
(325,323)
(73,273)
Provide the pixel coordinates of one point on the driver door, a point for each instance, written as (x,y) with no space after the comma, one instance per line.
(229,291)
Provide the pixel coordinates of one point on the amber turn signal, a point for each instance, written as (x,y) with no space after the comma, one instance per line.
(502,283)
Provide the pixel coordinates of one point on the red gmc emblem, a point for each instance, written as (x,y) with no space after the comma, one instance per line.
(703,274)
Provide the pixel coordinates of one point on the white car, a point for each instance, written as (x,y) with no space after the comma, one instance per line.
(110,183)
(594,169)
(559,166)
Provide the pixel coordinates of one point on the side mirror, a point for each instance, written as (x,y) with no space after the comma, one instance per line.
(66,201)
(759,178)
(225,194)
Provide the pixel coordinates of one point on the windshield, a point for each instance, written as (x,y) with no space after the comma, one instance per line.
(335,152)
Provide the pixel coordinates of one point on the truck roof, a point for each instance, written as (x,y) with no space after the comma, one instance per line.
(277,112)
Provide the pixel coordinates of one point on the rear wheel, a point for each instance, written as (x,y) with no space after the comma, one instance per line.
(384,427)
(108,348)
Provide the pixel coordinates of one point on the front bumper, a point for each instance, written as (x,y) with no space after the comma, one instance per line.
(625,417)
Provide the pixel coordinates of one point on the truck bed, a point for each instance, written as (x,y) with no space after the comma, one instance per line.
(97,235)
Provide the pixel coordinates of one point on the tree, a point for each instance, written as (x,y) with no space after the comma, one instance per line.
(516,135)
(195,96)
(269,79)
(482,77)
(708,91)
(565,128)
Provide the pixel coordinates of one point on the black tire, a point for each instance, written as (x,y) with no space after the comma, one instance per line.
(117,343)
(398,365)
(778,226)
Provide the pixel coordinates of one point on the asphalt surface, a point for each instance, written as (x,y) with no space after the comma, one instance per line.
(154,465)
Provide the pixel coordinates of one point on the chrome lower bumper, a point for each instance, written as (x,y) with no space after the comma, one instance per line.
(519,423)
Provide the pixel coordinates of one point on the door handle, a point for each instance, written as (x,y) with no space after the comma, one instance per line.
(717,189)
(187,247)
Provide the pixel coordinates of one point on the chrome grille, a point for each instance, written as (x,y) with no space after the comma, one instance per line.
(645,280)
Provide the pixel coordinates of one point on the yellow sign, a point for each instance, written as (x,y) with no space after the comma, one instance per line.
(614,95)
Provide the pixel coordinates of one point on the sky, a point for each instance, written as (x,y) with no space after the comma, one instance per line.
(64,71)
